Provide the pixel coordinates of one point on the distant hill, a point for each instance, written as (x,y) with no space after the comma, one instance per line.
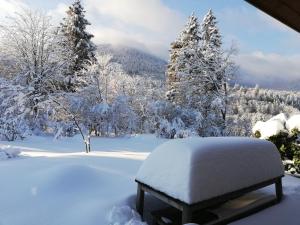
(134,61)
(268,82)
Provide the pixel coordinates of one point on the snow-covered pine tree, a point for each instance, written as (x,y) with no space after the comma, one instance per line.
(214,78)
(183,62)
(74,28)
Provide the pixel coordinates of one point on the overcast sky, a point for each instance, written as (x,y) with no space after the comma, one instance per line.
(269,52)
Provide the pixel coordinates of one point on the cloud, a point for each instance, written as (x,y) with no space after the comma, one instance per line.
(8,7)
(276,64)
(116,37)
(269,70)
(148,25)
(254,29)
(249,20)
(145,24)
(150,15)
(58,13)
(272,22)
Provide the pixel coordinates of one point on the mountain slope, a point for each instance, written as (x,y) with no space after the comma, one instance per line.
(135,62)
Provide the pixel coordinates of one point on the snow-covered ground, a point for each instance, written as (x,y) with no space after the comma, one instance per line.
(54,182)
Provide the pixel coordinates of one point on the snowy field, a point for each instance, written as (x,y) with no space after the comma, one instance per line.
(53,182)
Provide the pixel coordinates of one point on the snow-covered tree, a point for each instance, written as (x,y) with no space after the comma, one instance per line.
(211,80)
(29,41)
(198,72)
(73,28)
(218,68)
(183,60)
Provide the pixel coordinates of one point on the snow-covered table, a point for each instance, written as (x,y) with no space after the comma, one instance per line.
(195,173)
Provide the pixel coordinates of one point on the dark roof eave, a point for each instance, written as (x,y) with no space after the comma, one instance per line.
(286,11)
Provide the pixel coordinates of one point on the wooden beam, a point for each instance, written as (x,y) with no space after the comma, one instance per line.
(278,188)
(140,200)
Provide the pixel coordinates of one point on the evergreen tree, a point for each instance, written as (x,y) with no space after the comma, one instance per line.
(79,40)
(198,72)
(183,62)
(211,47)
(218,69)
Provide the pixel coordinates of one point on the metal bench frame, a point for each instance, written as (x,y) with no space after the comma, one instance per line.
(188,209)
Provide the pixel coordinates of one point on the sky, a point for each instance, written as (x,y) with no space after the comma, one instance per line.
(268,51)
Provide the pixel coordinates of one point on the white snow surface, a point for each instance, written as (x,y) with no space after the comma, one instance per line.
(55,183)
(293,122)
(196,169)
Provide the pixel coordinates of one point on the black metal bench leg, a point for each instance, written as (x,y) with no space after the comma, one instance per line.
(140,200)
(278,188)
(187,215)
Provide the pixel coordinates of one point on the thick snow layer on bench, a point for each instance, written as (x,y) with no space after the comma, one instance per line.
(196,169)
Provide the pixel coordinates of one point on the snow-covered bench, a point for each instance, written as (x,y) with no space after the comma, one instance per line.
(195,173)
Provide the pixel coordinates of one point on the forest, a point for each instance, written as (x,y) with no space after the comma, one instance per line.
(54,81)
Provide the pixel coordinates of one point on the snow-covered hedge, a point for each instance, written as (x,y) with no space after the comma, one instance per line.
(272,127)
(284,132)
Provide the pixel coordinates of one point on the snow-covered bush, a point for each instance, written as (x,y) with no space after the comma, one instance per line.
(24,112)
(8,152)
(293,123)
(278,130)
(174,129)
(170,121)
(165,129)
(13,129)
(101,119)
(123,117)
(14,111)
(65,129)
